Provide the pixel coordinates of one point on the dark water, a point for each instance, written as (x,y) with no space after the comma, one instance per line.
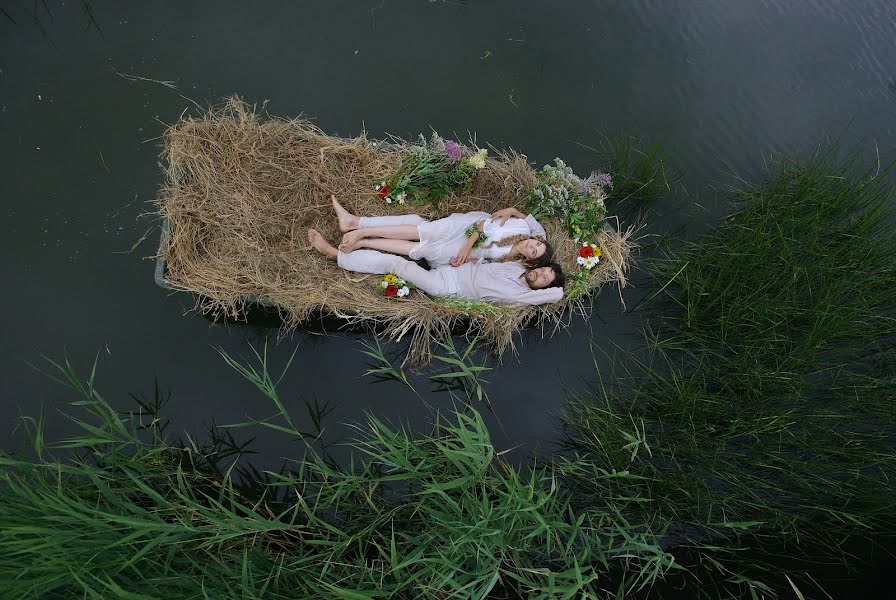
(726,84)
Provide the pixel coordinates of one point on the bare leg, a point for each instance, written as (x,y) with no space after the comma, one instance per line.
(395,232)
(321,245)
(402,247)
(347,221)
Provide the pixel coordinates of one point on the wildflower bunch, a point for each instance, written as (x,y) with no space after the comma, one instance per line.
(430,170)
(383,190)
(579,202)
(589,255)
(395,287)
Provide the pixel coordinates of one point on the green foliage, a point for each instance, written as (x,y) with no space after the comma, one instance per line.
(381,369)
(640,169)
(579,283)
(427,176)
(473,306)
(762,413)
(462,380)
(125,512)
(463,376)
(578,203)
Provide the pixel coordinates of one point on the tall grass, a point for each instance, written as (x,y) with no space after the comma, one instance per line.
(642,174)
(760,421)
(121,510)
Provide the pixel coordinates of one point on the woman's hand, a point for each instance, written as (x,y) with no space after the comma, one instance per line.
(500,217)
(462,256)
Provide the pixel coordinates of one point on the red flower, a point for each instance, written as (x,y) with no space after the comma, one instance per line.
(586,252)
(383,191)
(391,291)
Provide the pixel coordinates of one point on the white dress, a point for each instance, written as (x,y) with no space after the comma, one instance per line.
(442,239)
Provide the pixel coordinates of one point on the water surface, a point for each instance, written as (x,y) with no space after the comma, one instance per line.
(726,84)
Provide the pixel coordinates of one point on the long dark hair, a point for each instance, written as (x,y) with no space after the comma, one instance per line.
(559,277)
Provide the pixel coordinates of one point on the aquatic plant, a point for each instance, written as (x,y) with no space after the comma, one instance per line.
(119,509)
(760,420)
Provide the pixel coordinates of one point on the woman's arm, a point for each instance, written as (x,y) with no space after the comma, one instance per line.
(502,215)
(467,248)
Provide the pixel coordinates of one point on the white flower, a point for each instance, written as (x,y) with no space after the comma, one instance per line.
(384,284)
(388,200)
(478,159)
(591,262)
(404,291)
(580,260)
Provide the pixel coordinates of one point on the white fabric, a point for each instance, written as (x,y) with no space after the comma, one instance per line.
(436,282)
(442,239)
(501,283)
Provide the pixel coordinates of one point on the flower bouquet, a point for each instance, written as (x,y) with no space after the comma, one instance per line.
(395,287)
(429,171)
(579,202)
(589,255)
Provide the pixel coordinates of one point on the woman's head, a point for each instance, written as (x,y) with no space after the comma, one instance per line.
(534,252)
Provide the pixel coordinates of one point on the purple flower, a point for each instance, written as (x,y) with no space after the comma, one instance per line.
(586,185)
(454,151)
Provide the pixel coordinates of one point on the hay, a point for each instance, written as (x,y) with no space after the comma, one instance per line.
(242,190)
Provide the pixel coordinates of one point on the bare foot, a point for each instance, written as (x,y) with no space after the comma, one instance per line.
(347,221)
(351,240)
(321,245)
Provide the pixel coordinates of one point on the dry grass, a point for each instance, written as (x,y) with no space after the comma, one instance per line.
(242,189)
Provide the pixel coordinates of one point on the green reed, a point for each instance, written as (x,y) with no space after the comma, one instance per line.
(757,427)
(121,509)
(642,174)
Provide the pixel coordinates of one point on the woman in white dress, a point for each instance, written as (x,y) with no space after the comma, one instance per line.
(506,235)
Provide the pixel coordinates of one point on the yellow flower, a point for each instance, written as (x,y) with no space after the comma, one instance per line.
(390,279)
(598,251)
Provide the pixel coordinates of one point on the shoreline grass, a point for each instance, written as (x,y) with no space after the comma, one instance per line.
(761,413)
(132,513)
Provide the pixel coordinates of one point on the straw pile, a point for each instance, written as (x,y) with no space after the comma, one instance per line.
(242,190)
